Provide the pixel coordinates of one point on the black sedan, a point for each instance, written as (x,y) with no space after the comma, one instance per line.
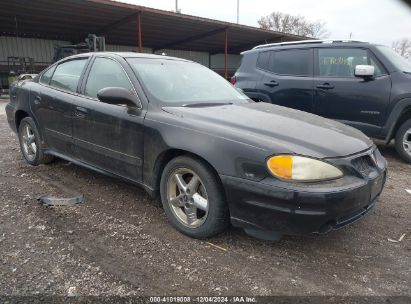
(214,156)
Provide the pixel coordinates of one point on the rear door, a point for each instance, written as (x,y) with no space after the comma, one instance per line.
(52,102)
(109,137)
(287,78)
(340,95)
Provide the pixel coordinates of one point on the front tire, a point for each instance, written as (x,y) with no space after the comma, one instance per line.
(29,138)
(403,141)
(193,198)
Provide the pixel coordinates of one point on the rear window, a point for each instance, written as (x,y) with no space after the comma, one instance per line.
(67,74)
(45,78)
(291,62)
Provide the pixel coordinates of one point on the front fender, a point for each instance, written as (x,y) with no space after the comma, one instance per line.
(226,156)
(399,108)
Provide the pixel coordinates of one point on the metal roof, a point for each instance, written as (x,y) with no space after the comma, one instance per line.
(72,20)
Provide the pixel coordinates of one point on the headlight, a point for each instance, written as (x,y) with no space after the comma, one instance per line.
(299,168)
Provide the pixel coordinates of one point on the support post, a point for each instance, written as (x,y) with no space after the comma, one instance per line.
(238,11)
(140,43)
(226,54)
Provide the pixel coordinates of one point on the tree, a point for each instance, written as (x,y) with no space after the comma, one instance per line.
(402,47)
(297,25)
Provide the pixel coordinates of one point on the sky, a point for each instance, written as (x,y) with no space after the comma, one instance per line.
(377,21)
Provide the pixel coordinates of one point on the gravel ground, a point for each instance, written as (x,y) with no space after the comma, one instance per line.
(119,242)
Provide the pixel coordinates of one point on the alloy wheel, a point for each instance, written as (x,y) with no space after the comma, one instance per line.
(406,142)
(29,143)
(187,197)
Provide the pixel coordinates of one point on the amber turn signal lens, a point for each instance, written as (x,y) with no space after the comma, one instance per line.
(281,166)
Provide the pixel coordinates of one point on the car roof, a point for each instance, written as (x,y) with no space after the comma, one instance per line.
(308,44)
(127,55)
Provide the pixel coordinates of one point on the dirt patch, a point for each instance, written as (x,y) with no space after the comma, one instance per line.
(119,242)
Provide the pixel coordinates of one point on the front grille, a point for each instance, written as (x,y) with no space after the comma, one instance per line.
(363,164)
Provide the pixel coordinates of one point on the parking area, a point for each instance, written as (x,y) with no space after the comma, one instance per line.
(118,242)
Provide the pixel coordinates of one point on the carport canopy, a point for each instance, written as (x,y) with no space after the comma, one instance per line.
(127,24)
(72,20)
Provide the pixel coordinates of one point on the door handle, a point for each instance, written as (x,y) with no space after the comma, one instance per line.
(271,84)
(37,100)
(80,112)
(325,86)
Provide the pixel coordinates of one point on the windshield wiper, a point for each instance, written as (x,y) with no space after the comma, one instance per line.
(206,104)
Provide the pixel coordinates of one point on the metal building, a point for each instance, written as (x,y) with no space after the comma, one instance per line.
(32,29)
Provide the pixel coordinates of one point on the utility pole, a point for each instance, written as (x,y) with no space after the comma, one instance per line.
(177,10)
(238,11)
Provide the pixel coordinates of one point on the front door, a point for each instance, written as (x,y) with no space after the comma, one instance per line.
(109,137)
(340,95)
(287,78)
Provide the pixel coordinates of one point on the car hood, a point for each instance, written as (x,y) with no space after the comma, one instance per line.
(275,129)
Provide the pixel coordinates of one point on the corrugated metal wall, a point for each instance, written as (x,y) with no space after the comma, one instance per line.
(200,57)
(217,61)
(42,50)
(125,48)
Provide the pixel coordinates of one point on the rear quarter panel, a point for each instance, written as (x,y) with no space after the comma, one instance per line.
(248,76)
(19,101)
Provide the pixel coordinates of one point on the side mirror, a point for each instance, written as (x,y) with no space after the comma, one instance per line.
(364,71)
(117,96)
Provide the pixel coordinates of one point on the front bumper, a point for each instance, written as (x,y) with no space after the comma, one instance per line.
(297,208)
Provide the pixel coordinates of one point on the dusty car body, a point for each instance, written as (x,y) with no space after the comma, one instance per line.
(213,161)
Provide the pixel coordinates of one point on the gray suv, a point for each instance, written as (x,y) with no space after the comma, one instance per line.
(364,85)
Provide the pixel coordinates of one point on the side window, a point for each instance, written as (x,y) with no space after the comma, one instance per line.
(106,73)
(295,62)
(45,78)
(262,60)
(67,74)
(341,62)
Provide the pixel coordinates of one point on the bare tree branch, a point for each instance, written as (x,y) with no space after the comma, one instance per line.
(297,25)
(402,47)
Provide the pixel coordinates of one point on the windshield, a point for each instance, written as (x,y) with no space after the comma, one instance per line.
(396,59)
(176,83)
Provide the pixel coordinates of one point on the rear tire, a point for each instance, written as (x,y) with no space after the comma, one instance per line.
(29,138)
(193,198)
(403,141)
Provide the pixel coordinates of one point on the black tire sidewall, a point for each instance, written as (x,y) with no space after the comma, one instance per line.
(38,158)
(218,217)
(398,140)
